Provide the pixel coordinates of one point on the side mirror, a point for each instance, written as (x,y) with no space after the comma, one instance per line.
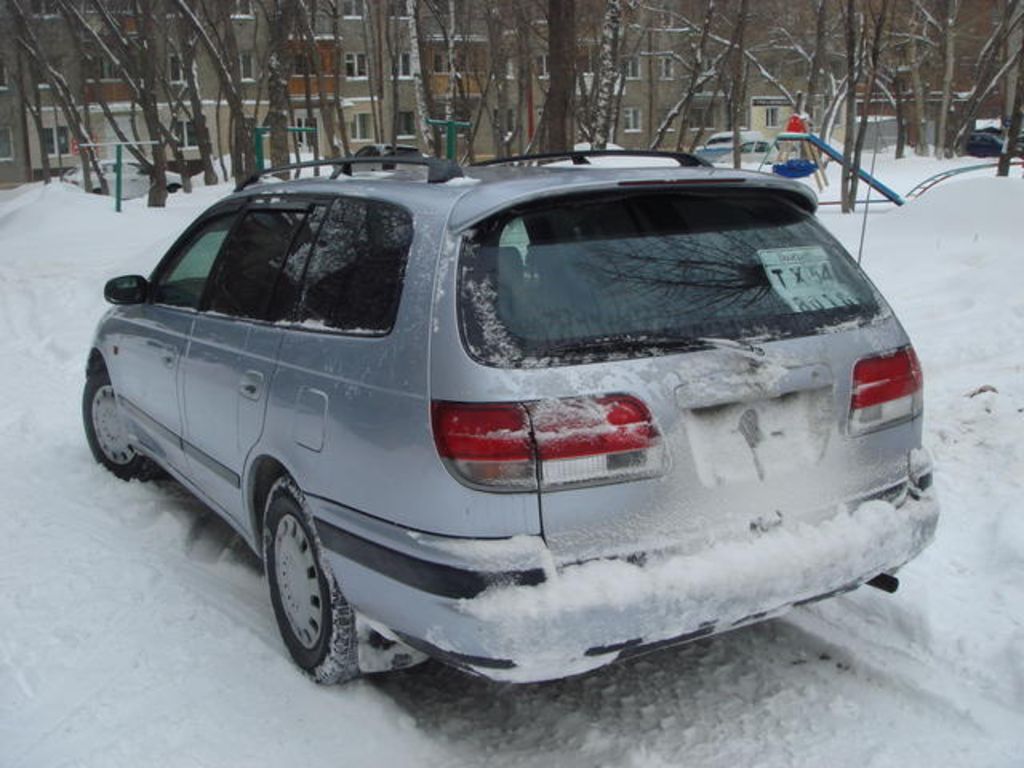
(127,289)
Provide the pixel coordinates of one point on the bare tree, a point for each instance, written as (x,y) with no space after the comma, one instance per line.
(948,12)
(421,90)
(738,81)
(217,35)
(42,70)
(608,72)
(561,71)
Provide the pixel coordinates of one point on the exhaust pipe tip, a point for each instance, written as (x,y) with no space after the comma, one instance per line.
(885,582)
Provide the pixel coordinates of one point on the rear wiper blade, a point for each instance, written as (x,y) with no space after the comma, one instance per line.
(732,344)
(674,343)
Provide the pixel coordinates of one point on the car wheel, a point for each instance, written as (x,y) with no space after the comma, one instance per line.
(317,624)
(172,188)
(106,433)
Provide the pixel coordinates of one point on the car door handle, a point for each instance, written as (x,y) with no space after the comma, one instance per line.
(251,385)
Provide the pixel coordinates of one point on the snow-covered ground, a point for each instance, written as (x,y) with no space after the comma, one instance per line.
(135,629)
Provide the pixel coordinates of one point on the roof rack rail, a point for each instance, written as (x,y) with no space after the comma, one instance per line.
(580,157)
(438,170)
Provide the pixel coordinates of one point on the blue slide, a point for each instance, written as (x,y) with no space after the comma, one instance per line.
(833,153)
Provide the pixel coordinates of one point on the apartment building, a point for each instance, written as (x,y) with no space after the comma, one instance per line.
(492,75)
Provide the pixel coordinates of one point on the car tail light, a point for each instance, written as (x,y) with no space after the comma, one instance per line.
(486,444)
(553,443)
(886,389)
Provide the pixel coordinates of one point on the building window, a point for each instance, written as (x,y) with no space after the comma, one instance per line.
(360,127)
(3,75)
(355,65)
(542,65)
(300,65)
(631,119)
(633,68)
(6,144)
(175,72)
(306,140)
(55,140)
(241,8)
(106,69)
(397,9)
(352,9)
(771,117)
(44,7)
(406,125)
(440,63)
(405,64)
(245,65)
(185,133)
(665,68)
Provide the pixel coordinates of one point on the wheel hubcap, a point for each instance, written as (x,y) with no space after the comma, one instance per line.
(109,428)
(297,580)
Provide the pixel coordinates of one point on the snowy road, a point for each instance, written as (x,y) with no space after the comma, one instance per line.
(135,628)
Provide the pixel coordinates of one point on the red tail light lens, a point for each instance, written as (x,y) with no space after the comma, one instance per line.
(486,444)
(886,389)
(573,441)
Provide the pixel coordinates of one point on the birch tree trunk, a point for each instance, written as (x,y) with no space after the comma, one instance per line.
(426,135)
(608,73)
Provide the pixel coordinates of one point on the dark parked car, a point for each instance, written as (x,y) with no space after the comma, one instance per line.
(988,144)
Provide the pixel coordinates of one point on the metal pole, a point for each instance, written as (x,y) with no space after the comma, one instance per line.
(258,149)
(117,183)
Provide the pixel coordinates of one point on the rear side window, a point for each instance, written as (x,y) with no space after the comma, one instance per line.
(244,277)
(634,274)
(354,278)
(183,282)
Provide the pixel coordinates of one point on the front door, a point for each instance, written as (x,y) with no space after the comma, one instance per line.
(152,339)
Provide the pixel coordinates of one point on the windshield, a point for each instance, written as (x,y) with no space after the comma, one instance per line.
(589,278)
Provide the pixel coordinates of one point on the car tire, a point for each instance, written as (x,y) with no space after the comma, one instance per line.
(106,433)
(317,624)
(172,188)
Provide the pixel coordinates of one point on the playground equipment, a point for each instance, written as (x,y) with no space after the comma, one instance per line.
(119,164)
(816,147)
(451,128)
(261,132)
(931,181)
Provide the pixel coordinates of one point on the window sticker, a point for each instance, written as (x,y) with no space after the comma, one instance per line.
(806,279)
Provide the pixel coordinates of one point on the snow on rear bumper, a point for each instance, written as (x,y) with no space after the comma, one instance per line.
(588,615)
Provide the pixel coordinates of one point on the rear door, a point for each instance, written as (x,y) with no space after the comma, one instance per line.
(731,317)
(233,347)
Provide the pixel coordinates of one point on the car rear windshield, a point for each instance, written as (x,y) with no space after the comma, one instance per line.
(621,275)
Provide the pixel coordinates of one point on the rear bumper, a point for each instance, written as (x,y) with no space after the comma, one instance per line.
(510,625)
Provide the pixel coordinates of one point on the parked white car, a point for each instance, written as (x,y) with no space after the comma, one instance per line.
(718,147)
(135,181)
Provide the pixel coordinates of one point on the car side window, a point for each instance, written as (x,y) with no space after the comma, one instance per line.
(287,289)
(354,279)
(244,277)
(182,284)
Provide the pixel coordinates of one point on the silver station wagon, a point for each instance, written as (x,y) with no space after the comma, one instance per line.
(526,418)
